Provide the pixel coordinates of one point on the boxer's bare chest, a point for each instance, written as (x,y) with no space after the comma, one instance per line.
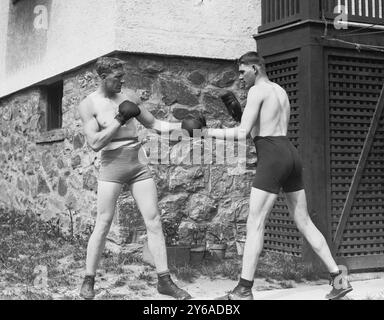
(105,111)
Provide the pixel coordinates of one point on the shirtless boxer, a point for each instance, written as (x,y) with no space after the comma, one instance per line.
(265,119)
(108,121)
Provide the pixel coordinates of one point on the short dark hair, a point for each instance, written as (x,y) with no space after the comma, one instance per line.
(252,57)
(107,65)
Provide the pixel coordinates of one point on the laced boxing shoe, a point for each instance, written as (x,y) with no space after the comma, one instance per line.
(340,286)
(238,293)
(87,290)
(167,287)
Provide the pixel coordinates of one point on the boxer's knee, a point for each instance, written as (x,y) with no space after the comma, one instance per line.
(153,223)
(103,224)
(303,221)
(256,220)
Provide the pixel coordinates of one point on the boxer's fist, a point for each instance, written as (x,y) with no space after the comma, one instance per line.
(233,105)
(127,110)
(191,123)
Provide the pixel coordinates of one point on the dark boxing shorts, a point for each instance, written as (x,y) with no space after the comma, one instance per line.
(278,165)
(123,165)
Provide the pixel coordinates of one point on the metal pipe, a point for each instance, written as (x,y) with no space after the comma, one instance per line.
(299,23)
(361,25)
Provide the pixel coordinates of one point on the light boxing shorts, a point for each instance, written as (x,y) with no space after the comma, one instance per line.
(124,165)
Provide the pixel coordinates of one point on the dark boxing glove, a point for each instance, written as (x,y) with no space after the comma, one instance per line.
(127,110)
(191,123)
(233,105)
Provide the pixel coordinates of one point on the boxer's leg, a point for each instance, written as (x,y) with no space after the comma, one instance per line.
(297,205)
(107,194)
(265,189)
(145,194)
(260,205)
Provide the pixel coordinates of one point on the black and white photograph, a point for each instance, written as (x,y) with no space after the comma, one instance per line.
(203,152)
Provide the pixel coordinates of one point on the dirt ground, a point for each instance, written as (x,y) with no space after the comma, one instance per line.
(131,286)
(122,279)
(37,262)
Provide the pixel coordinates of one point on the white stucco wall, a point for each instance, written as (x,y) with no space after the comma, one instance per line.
(80,31)
(3,33)
(200,28)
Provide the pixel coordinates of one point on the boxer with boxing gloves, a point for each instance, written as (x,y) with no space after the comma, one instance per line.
(265,119)
(108,116)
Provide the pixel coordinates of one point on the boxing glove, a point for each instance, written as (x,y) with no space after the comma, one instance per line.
(191,123)
(127,110)
(233,105)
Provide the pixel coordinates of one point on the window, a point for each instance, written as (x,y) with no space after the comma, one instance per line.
(54,105)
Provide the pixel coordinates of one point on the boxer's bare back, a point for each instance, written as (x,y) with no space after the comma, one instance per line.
(274,114)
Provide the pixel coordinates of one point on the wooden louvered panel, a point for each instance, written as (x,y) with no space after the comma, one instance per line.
(369,217)
(354,89)
(366,226)
(282,247)
(281,234)
(352,234)
(362,250)
(278,231)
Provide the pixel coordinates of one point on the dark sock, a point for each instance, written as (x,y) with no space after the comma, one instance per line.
(246,283)
(163,275)
(335,274)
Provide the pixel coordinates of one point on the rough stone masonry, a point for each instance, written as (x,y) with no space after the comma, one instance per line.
(56,178)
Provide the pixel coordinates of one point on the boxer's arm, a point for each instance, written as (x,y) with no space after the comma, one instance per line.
(149,121)
(96,138)
(248,120)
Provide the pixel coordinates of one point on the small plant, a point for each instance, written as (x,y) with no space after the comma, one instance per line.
(230,269)
(170,229)
(219,234)
(121,281)
(127,258)
(146,276)
(219,239)
(70,205)
(199,237)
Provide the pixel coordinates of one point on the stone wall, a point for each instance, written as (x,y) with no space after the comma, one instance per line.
(57,179)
